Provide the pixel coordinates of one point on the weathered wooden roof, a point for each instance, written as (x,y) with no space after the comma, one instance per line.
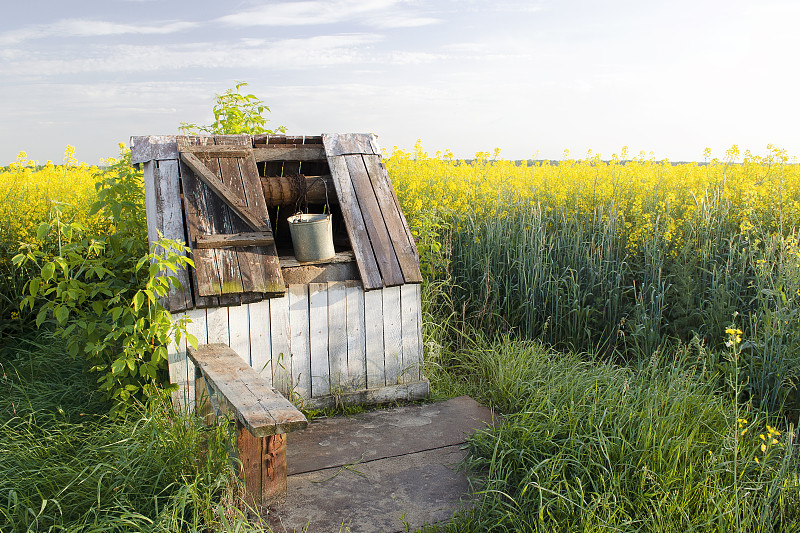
(206,191)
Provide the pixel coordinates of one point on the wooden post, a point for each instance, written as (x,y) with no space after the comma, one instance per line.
(203,406)
(263,466)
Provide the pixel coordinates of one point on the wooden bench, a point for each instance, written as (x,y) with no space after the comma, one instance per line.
(263,418)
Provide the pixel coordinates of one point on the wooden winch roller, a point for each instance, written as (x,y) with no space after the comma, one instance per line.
(290,190)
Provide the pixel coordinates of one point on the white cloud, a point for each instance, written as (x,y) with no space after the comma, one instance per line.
(380,13)
(320,51)
(403,21)
(305,13)
(89,28)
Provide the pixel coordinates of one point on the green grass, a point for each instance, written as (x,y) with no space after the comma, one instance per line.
(66,466)
(588,445)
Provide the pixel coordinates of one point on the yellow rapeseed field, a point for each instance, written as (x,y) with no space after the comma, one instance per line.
(646,195)
(31,193)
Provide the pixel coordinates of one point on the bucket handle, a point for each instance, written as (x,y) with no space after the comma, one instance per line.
(304,196)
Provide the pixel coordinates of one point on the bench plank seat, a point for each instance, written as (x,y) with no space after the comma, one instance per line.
(259,407)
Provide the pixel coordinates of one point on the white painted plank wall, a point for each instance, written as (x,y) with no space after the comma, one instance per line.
(199,328)
(239,330)
(319,339)
(337,336)
(318,324)
(373,329)
(281,353)
(356,339)
(392,334)
(260,343)
(409,300)
(299,340)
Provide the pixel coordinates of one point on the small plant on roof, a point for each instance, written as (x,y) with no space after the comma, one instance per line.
(235,113)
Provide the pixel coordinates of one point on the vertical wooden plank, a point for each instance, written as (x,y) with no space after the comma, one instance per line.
(218,325)
(373,221)
(373,329)
(250,457)
(260,346)
(396,224)
(247,269)
(337,335)
(199,328)
(178,374)
(266,256)
(392,341)
(273,468)
(356,338)
(421,352)
(299,340)
(354,222)
(281,353)
(318,327)
(151,207)
(207,263)
(165,215)
(222,221)
(412,347)
(239,327)
(168,195)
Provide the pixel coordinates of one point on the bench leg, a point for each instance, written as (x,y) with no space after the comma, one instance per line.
(263,466)
(203,403)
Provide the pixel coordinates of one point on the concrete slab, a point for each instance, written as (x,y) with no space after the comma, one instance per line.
(379,471)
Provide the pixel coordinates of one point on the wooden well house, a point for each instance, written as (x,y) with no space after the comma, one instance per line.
(343,330)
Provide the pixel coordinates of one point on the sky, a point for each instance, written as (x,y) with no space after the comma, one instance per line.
(534,78)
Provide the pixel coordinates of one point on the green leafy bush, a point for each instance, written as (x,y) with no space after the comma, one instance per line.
(102,292)
(235,113)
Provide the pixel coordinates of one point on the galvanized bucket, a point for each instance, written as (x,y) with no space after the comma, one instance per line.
(312,237)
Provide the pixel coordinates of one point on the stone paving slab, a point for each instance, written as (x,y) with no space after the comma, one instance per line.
(381,495)
(378,471)
(384,433)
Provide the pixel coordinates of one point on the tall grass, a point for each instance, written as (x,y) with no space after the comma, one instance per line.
(65,466)
(617,258)
(591,446)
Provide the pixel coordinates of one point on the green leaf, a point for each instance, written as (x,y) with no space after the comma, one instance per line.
(62,314)
(138,300)
(48,270)
(118,366)
(191,339)
(33,287)
(41,317)
(96,206)
(43,230)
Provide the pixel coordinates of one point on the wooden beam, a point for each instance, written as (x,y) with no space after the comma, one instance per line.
(289,152)
(153,147)
(239,240)
(406,392)
(283,190)
(223,191)
(218,150)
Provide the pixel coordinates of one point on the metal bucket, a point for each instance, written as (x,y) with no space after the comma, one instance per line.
(312,237)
